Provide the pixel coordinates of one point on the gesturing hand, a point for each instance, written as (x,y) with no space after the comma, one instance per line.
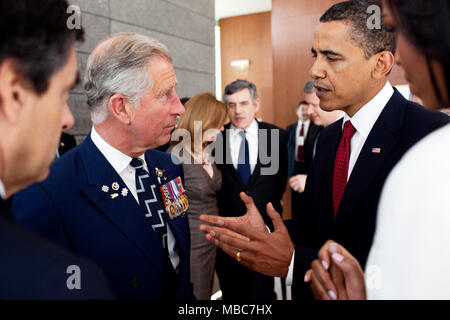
(247,239)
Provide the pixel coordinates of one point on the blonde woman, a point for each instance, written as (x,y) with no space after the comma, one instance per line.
(204,118)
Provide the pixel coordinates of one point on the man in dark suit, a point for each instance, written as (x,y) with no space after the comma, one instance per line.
(302,138)
(353,157)
(37,70)
(255,156)
(110,198)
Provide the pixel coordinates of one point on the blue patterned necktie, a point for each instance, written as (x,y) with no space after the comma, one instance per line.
(243,167)
(148,200)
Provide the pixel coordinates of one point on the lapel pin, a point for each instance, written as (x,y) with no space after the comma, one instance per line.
(376,150)
(159,173)
(115,186)
(124,192)
(114,195)
(105,188)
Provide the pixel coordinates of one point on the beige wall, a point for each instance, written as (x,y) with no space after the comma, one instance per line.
(249,37)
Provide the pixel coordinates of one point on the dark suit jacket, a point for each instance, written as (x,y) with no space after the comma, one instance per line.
(32,268)
(71,209)
(311,136)
(66,143)
(400,125)
(238,282)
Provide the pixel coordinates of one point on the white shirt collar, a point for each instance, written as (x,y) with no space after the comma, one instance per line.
(251,130)
(118,160)
(307,121)
(2,190)
(366,117)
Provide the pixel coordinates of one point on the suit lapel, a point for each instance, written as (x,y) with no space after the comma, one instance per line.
(123,211)
(369,162)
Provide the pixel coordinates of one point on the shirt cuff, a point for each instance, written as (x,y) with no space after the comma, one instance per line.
(290,274)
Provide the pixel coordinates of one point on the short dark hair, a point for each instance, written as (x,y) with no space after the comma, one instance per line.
(35,34)
(239,85)
(300,103)
(354,13)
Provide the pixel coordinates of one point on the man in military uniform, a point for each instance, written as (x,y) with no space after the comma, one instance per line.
(106,199)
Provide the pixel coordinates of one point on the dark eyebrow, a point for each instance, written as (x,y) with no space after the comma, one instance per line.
(329,52)
(326,52)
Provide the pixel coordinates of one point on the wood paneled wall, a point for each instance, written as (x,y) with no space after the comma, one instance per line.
(249,37)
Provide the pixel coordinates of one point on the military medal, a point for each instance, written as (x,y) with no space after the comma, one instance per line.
(174,197)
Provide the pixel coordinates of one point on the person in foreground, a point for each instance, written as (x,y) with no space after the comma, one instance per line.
(354,155)
(37,70)
(409,258)
(111,198)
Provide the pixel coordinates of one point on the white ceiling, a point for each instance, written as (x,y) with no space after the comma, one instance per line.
(232,8)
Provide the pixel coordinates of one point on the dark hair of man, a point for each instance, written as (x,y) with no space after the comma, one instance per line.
(301,103)
(239,85)
(35,34)
(426,25)
(354,13)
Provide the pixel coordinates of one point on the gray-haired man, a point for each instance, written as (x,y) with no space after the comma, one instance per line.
(103,198)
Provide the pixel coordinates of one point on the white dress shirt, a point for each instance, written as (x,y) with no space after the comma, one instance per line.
(121,164)
(2,190)
(409,258)
(252,139)
(363,122)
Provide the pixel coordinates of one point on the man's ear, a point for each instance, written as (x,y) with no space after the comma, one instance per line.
(383,65)
(121,108)
(15,92)
(257,104)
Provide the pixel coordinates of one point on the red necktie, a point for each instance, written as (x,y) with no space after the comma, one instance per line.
(341,165)
(301,149)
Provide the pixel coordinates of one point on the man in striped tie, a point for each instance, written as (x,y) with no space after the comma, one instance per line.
(112,198)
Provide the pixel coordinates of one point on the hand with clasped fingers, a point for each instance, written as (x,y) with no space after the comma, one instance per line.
(247,239)
(336,274)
